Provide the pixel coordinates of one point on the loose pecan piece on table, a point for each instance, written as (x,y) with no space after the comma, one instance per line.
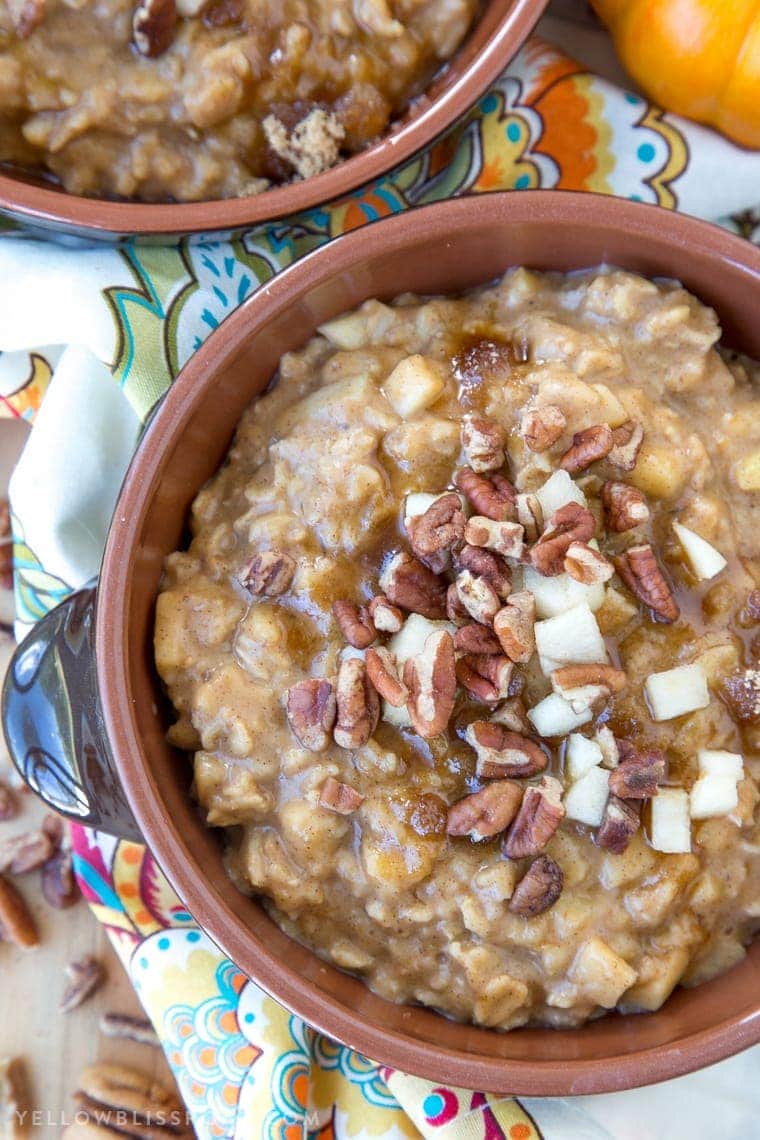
(639,772)
(108,1094)
(123,1026)
(269,573)
(358,706)
(386,617)
(311,710)
(541,812)
(625,507)
(16,920)
(84,977)
(153,25)
(571,523)
(483,443)
(408,583)
(355,623)
(514,626)
(436,533)
(487,812)
(587,565)
(588,446)
(626,445)
(506,538)
(59,886)
(14,1099)
(431,680)
(9,803)
(542,427)
(476,638)
(640,570)
(486,564)
(502,752)
(382,671)
(490,495)
(619,824)
(339,797)
(485,677)
(25,851)
(539,888)
(478,596)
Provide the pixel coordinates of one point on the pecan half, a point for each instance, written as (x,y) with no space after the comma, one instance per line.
(588,446)
(502,753)
(436,533)
(478,597)
(487,812)
(491,495)
(485,677)
(539,888)
(84,977)
(620,823)
(153,25)
(514,626)
(431,680)
(571,523)
(125,1027)
(59,886)
(483,443)
(16,919)
(455,611)
(638,773)
(541,427)
(383,673)
(358,706)
(486,564)
(14,1099)
(26,16)
(476,638)
(578,676)
(311,708)
(110,1095)
(8,803)
(741,692)
(530,516)
(387,618)
(513,715)
(410,584)
(625,507)
(269,573)
(639,569)
(338,797)
(354,623)
(540,814)
(587,565)
(25,851)
(626,445)
(506,538)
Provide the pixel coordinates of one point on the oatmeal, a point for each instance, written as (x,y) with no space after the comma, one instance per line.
(466,647)
(193,100)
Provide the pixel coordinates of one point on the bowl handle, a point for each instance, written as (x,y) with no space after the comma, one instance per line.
(53,720)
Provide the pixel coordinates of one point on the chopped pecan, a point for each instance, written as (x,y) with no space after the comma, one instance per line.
(478,597)
(26,16)
(112,1097)
(16,920)
(620,823)
(506,538)
(570,677)
(354,623)
(530,516)
(476,638)
(358,706)
(501,752)
(639,569)
(626,445)
(513,715)
(625,507)
(491,495)
(410,584)
(153,25)
(431,681)
(383,673)
(486,564)
(84,977)
(539,888)
(128,1028)
(338,797)
(387,618)
(487,812)
(25,851)
(541,427)
(58,883)
(587,565)
(429,815)
(638,773)
(311,709)
(588,446)
(514,626)
(8,803)
(741,692)
(14,1099)
(540,814)
(483,443)
(436,533)
(571,523)
(485,677)
(269,573)
(455,611)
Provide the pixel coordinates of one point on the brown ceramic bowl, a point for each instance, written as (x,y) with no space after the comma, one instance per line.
(499,32)
(446,247)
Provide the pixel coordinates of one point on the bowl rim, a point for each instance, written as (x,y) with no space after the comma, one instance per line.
(550,1077)
(101,217)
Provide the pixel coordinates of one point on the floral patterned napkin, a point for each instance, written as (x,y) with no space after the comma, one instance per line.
(89,340)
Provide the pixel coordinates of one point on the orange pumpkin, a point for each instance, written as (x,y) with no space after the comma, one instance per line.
(700,58)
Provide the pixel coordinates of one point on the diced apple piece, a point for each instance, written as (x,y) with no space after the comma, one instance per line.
(347,332)
(703,558)
(585,800)
(605,738)
(581,755)
(713,795)
(571,638)
(600,973)
(670,826)
(562,593)
(676,691)
(558,489)
(716,762)
(417,503)
(414,384)
(553,716)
